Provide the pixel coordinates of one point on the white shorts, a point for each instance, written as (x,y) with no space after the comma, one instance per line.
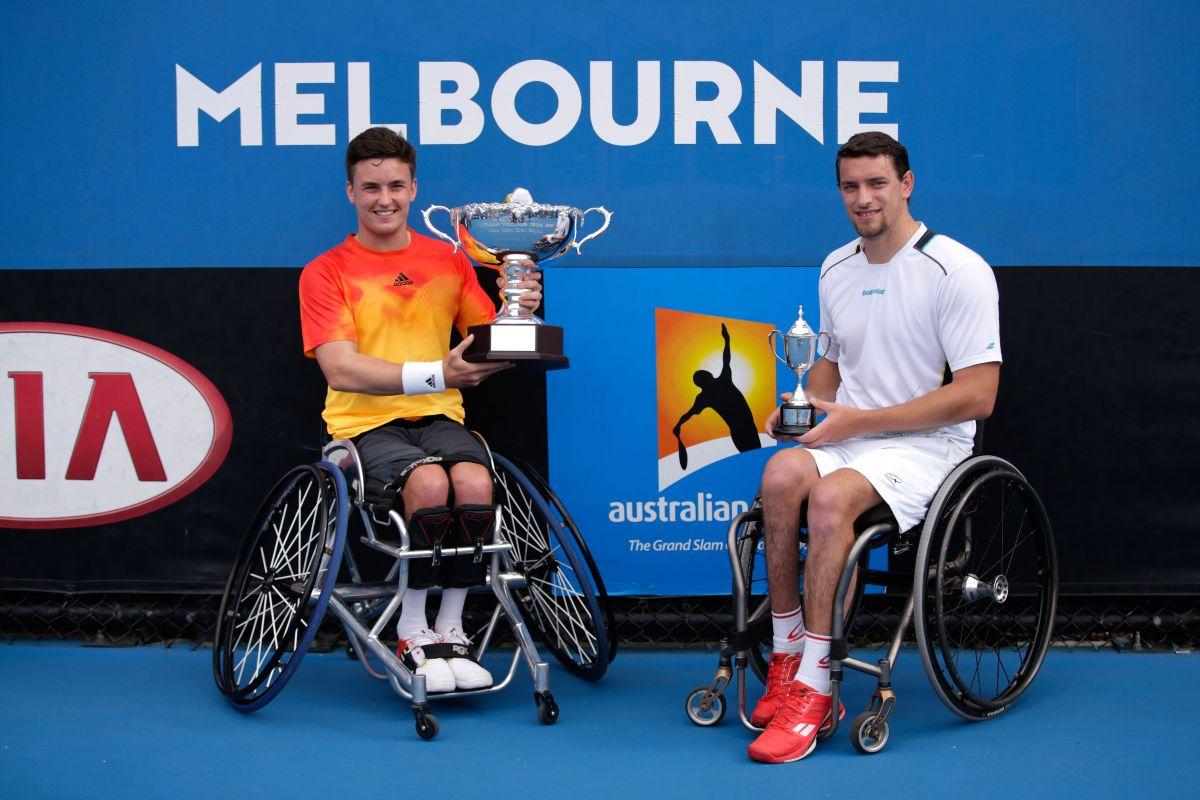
(905,470)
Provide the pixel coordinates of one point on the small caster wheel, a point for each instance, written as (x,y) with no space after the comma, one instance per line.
(864,739)
(351,653)
(699,715)
(547,709)
(427,724)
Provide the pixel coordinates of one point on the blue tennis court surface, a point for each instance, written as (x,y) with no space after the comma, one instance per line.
(86,722)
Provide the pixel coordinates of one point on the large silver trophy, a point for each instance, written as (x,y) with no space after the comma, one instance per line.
(800,352)
(516,237)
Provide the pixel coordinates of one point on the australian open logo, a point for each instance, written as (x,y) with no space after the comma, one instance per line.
(716,386)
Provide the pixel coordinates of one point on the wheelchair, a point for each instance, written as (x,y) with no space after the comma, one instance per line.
(984,585)
(285,578)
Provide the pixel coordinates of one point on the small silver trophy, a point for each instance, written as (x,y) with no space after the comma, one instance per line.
(516,237)
(800,352)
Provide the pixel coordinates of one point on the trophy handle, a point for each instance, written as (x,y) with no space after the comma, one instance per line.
(828,343)
(775,347)
(607,217)
(435,229)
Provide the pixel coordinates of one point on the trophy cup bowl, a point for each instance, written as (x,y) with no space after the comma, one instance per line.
(801,349)
(516,238)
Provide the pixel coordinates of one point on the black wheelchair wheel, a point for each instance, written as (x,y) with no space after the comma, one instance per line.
(279,586)
(559,601)
(752,561)
(985,588)
(597,581)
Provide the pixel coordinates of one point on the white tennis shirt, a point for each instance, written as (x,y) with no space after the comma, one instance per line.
(894,327)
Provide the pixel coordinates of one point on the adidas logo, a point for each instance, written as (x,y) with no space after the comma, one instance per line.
(402,280)
(430,382)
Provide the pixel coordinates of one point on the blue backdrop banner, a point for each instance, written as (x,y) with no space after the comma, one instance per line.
(152,134)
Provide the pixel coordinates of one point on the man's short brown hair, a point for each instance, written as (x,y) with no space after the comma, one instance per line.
(377,144)
(872,143)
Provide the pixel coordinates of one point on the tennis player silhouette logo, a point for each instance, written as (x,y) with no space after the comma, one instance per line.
(720,394)
(716,385)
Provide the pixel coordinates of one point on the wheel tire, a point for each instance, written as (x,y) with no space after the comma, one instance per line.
(715,713)
(547,708)
(310,500)
(427,725)
(560,603)
(1006,625)
(581,543)
(862,740)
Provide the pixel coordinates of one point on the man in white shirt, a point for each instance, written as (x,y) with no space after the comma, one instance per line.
(900,304)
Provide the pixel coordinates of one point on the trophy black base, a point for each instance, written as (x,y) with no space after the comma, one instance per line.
(795,420)
(527,344)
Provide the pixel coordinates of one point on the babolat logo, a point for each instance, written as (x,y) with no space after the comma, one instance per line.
(869,292)
(402,280)
(63,461)
(716,388)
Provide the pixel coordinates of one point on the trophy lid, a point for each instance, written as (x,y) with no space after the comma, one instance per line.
(800,326)
(519,195)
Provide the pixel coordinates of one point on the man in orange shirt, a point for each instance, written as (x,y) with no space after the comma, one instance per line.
(376,313)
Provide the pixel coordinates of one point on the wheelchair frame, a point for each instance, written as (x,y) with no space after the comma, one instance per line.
(869,732)
(349,602)
(365,610)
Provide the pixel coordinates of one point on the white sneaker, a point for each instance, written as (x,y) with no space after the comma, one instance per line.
(468,673)
(438,676)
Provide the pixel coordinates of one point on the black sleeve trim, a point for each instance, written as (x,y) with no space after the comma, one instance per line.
(857,249)
(920,248)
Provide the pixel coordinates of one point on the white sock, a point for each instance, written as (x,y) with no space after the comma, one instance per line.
(787,631)
(412,613)
(814,667)
(450,611)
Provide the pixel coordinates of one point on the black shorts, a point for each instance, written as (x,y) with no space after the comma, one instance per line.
(391,452)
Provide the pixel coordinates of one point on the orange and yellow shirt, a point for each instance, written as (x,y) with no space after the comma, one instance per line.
(397,305)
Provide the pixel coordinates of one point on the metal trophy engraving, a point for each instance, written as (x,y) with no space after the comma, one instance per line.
(800,352)
(516,237)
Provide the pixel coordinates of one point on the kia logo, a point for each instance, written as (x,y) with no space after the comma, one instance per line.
(96,427)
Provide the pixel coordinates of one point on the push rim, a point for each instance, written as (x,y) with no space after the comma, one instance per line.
(985,610)
(558,599)
(268,613)
(569,523)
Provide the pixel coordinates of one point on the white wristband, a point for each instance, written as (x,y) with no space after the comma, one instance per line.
(423,377)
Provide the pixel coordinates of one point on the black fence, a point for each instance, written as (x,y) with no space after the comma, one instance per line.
(1155,624)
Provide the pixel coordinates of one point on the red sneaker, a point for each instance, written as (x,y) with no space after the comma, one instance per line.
(792,734)
(780,674)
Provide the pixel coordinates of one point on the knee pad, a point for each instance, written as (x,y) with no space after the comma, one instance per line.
(471,527)
(427,530)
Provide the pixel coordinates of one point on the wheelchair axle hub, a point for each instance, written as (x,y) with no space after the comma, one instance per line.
(974,589)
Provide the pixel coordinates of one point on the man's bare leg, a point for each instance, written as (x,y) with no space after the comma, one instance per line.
(834,504)
(786,482)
